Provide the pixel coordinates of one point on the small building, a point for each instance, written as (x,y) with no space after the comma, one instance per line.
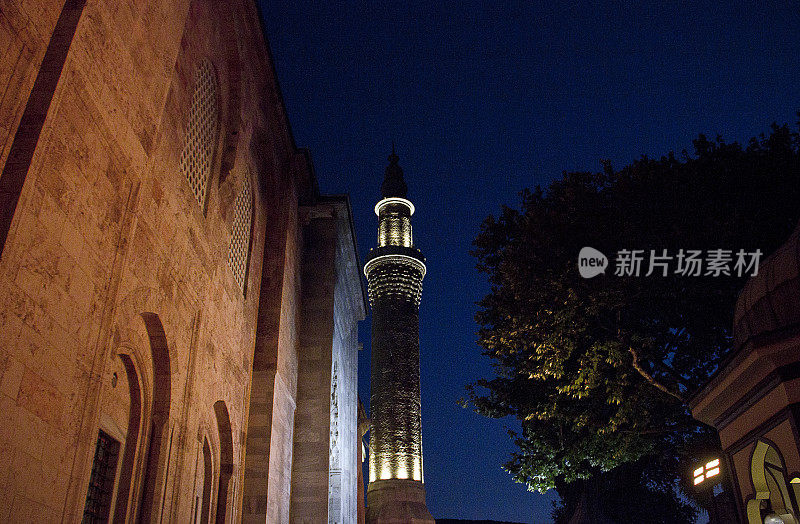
(753,400)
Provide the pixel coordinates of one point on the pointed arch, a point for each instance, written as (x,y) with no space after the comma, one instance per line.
(121,509)
(207,480)
(110,476)
(768,475)
(159,350)
(225,458)
(156,465)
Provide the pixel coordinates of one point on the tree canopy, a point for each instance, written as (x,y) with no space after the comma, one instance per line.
(599,371)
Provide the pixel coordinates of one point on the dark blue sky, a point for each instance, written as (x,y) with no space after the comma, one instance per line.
(484,99)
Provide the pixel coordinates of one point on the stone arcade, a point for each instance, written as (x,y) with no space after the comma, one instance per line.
(178,303)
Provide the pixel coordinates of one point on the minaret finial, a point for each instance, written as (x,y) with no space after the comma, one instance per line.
(393,183)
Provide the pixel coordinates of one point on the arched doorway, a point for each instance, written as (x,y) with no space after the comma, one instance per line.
(772,497)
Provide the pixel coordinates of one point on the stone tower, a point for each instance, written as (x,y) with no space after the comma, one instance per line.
(394,271)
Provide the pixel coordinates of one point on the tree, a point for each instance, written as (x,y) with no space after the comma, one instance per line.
(598,371)
(610,494)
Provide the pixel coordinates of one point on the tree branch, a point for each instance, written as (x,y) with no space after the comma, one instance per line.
(669,369)
(657,431)
(649,378)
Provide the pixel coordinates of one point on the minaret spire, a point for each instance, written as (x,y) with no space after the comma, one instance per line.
(394,270)
(393,183)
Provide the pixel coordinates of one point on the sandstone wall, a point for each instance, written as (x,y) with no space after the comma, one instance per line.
(349,308)
(111,266)
(325,462)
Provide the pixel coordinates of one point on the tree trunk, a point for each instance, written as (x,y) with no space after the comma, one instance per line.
(589,509)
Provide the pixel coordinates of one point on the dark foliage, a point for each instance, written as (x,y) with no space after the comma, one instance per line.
(640,491)
(599,371)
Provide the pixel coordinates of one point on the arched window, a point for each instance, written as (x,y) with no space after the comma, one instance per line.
(201,132)
(239,248)
(113,465)
(768,474)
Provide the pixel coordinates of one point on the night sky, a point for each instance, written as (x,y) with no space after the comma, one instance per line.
(483,99)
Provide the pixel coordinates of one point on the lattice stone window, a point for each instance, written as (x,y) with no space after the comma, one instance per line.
(239,248)
(334,464)
(201,132)
(334,438)
(101,481)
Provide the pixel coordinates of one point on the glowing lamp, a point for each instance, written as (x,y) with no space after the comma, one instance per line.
(774,518)
(703,473)
(402,472)
(385,472)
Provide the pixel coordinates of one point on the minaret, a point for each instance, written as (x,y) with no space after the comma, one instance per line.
(394,271)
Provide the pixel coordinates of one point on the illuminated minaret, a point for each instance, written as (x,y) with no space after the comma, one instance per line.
(394,271)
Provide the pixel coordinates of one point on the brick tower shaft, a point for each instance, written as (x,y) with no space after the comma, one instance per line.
(394,271)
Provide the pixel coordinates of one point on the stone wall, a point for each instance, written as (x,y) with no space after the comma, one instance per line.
(325,466)
(118,309)
(349,308)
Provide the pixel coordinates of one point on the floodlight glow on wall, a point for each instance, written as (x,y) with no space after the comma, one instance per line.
(703,473)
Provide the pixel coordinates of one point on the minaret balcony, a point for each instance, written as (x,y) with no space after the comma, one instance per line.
(397,251)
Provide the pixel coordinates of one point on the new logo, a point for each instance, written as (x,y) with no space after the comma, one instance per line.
(591,262)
